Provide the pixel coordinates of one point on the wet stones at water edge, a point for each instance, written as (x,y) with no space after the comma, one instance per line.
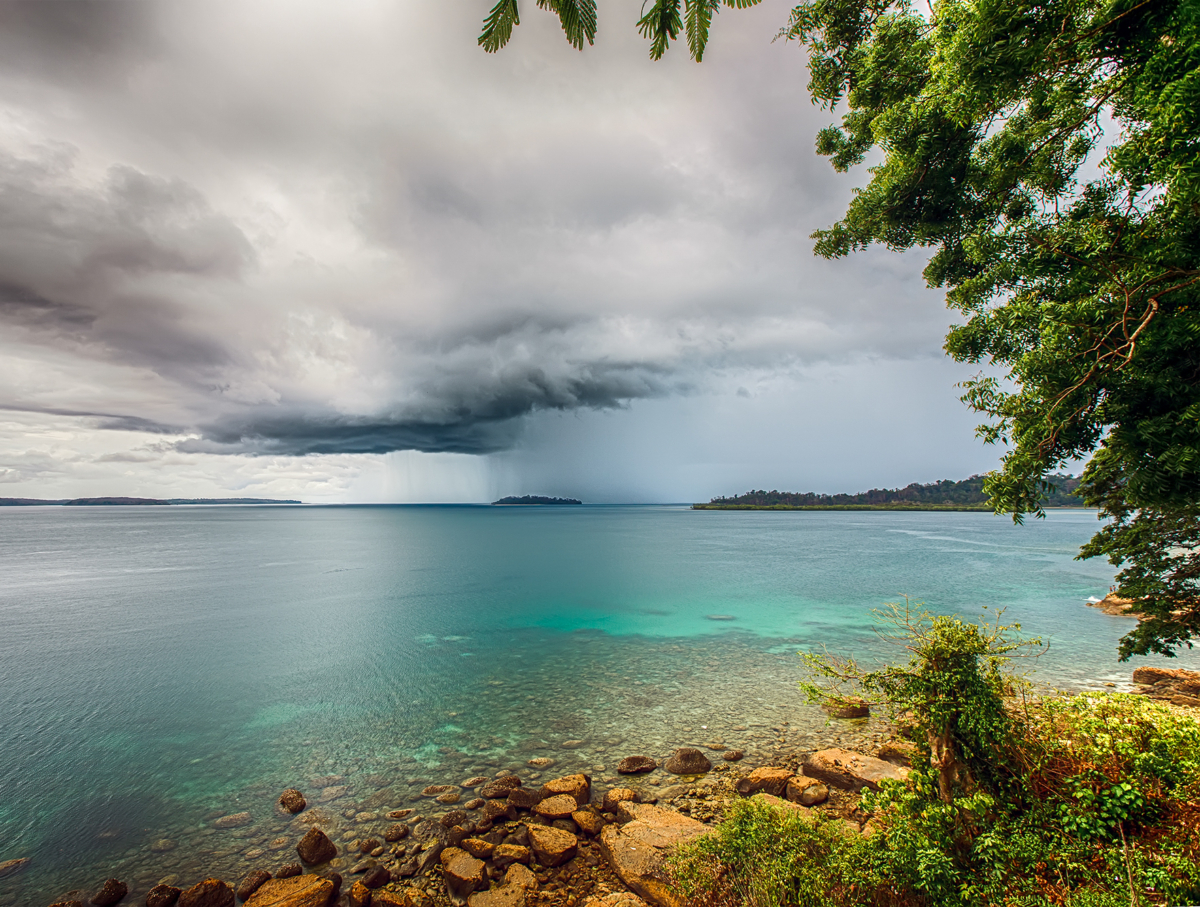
(251,883)
(578,786)
(499,788)
(635,765)
(111,892)
(297,891)
(291,801)
(162,896)
(315,847)
(1174,685)
(209,893)
(687,761)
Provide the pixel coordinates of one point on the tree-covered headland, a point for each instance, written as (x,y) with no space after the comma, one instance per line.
(1047,155)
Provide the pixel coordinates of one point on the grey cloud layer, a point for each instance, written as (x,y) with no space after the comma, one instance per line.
(285,228)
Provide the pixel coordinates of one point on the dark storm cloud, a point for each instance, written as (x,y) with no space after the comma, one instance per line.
(300,228)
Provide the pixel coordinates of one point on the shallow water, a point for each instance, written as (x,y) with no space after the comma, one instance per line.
(161,667)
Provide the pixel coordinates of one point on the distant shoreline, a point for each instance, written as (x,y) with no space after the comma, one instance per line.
(133,502)
(966,508)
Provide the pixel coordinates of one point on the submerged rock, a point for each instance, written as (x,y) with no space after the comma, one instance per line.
(847,708)
(687,761)
(233,820)
(315,847)
(634,765)
(292,801)
(8,867)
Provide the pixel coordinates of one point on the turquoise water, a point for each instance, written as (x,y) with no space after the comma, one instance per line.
(160,667)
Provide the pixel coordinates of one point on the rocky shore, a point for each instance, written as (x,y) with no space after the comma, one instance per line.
(508,841)
(513,839)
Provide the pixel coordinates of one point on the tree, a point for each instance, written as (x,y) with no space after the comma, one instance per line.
(984,121)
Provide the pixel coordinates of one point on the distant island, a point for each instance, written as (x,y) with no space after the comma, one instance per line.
(944,495)
(117,501)
(533,499)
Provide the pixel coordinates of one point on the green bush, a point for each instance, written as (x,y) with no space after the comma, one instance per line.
(1083,801)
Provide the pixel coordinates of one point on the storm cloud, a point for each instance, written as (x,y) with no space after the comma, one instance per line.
(292,228)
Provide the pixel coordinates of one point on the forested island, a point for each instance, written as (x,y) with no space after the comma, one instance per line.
(947,494)
(119,501)
(532,499)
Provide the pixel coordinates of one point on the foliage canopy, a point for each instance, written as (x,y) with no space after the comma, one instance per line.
(1047,153)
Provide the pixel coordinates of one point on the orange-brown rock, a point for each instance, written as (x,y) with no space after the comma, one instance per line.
(297,891)
(552,846)
(578,786)
(806,791)
(851,771)
(557,807)
(637,850)
(769,778)
(209,893)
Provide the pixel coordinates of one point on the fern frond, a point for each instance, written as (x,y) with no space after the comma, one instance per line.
(578,18)
(698,15)
(661,26)
(498,26)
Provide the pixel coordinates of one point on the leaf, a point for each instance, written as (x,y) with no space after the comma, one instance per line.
(498,26)
(698,14)
(661,26)
(578,18)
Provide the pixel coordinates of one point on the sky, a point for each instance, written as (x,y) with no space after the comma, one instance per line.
(336,252)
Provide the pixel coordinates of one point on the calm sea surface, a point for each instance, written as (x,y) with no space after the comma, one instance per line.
(164,666)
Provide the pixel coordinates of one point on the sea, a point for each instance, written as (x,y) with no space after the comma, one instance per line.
(164,668)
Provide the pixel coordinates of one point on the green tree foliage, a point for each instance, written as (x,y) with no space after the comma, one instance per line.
(1079,285)
(947,491)
(1084,291)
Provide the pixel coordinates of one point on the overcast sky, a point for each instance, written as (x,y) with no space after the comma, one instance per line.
(335,251)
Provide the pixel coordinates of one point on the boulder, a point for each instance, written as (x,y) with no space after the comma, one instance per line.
(524,797)
(209,893)
(162,896)
(233,820)
(851,771)
(635,765)
(292,801)
(552,846)
(8,867)
(462,873)
(506,854)
(359,896)
(617,795)
(298,891)
(315,847)
(806,791)
(376,877)
(589,822)
(1150,676)
(518,882)
(769,778)
(111,892)
(478,848)
(496,809)
(557,807)
(499,788)
(847,708)
(251,883)
(687,761)
(637,851)
(578,786)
